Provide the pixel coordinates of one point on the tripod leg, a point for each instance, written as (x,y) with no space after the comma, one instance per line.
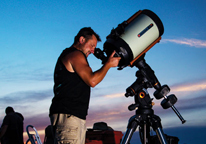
(131,128)
(157,127)
(144,133)
(161,136)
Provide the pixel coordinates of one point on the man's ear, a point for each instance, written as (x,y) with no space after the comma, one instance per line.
(82,40)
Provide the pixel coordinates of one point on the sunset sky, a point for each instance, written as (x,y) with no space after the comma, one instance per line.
(34,33)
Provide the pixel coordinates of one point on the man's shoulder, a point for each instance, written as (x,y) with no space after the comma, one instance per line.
(74,54)
(20,115)
(69,51)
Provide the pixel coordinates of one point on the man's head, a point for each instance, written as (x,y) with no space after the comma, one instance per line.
(86,40)
(87,33)
(9,110)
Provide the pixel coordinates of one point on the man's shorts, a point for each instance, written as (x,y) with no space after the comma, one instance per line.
(69,129)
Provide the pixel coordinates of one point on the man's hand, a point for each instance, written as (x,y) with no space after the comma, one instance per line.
(113,61)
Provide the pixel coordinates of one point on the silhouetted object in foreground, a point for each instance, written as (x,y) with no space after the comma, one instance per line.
(103,134)
(33,138)
(48,139)
(12,127)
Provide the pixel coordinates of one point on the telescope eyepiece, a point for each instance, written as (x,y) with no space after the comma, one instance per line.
(98,53)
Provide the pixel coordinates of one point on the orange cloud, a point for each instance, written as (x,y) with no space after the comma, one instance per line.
(115,114)
(41,134)
(190,87)
(114,95)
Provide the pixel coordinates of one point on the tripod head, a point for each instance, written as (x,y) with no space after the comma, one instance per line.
(146,79)
(145,75)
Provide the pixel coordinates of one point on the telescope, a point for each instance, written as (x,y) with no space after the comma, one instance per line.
(132,38)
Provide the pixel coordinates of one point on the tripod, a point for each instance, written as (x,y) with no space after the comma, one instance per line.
(145,117)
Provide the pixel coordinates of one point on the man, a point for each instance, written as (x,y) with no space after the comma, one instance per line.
(73,78)
(12,127)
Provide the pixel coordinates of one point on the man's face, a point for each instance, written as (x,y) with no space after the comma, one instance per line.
(89,46)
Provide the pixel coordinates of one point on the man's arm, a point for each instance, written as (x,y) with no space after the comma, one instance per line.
(76,61)
(3,130)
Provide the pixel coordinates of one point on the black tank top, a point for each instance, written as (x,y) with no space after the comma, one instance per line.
(71,93)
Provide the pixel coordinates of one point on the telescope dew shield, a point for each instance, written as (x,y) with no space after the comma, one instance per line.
(134,37)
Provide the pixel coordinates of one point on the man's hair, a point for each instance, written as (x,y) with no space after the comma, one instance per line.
(9,109)
(87,33)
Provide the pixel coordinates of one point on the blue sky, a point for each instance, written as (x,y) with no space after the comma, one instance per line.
(33,34)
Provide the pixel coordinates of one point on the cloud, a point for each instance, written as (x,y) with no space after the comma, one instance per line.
(25,96)
(116,113)
(195,103)
(191,42)
(20,70)
(190,87)
(112,109)
(114,95)
(40,122)
(117,116)
(191,96)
